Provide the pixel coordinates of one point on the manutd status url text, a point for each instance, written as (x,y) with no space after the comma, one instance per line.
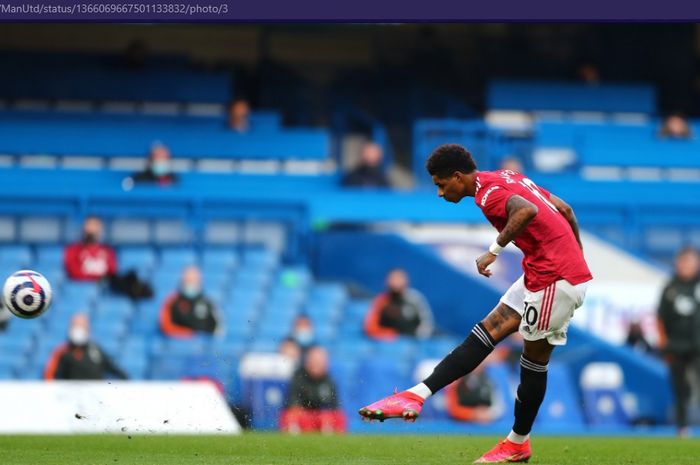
(182,9)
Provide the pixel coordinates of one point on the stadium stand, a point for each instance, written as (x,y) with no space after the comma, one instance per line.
(251,232)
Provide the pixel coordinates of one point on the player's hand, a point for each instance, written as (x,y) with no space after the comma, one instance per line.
(483,262)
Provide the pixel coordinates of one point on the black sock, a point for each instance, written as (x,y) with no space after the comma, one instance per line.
(462,360)
(533,384)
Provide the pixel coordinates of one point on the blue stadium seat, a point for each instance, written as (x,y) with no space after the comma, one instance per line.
(142,259)
(176,258)
(602,386)
(15,257)
(50,256)
(376,377)
(215,281)
(248,279)
(107,332)
(264,345)
(114,306)
(229,351)
(561,406)
(332,294)
(219,259)
(571,96)
(357,308)
(21,329)
(14,347)
(259,259)
(135,368)
(165,280)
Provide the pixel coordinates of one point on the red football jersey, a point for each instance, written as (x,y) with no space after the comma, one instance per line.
(550,247)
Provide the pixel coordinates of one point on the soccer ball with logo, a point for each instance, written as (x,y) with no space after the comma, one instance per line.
(27,294)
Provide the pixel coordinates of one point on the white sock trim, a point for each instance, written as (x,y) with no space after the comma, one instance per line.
(421,390)
(517,438)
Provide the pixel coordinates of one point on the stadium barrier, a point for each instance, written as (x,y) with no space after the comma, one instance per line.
(66,407)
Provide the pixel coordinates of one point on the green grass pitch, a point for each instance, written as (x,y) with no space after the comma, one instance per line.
(275,449)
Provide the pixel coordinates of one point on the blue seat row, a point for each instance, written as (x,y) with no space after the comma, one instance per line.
(106,139)
(89,82)
(571,96)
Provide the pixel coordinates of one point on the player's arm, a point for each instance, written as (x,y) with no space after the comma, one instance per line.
(520,212)
(568,213)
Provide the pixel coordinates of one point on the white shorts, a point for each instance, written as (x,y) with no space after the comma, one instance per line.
(545,313)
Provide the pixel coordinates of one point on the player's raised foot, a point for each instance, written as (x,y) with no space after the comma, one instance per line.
(406,405)
(507,452)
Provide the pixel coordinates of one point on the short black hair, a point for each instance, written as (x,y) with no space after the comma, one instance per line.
(448,158)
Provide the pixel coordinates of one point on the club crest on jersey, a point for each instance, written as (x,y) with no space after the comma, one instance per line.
(506,174)
(486,195)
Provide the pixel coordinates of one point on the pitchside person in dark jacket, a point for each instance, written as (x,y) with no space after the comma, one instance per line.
(312,399)
(189,311)
(679,330)
(80,358)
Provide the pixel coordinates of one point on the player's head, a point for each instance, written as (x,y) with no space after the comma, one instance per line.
(687,264)
(452,168)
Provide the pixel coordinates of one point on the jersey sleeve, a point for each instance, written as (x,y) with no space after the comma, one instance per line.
(493,202)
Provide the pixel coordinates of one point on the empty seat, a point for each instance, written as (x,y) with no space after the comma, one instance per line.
(219,258)
(177,258)
(141,259)
(15,257)
(264,259)
(43,229)
(130,231)
(50,255)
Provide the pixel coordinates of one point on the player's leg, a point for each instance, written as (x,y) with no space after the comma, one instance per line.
(502,321)
(545,321)
(532,388)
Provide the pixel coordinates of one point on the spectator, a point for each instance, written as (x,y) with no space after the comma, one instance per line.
(473,398)
(512,164)
(589,74)
(679,330)
(188,311)
(239,116)
(399,310)
(79,357)
(135,55)
(290,350)
(675,126)
(312,399)
(636,340)
(303,332)
(89,259)
(158,167)
(369,172)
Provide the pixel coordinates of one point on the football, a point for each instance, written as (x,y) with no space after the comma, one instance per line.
(27,294)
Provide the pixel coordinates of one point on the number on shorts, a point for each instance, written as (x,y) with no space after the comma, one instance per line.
(530,315)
